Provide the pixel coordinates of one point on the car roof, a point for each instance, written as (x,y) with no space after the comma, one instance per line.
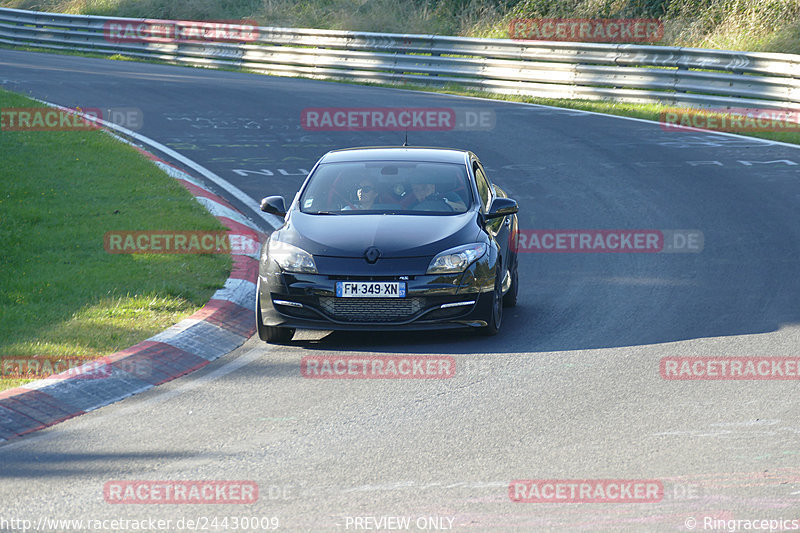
(397,153)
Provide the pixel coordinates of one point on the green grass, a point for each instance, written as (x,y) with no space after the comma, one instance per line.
(754,25)
(63,295)
(643,111)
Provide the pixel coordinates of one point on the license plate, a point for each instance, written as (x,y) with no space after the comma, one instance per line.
(370,289)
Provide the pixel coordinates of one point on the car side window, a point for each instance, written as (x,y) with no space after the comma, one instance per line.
(484,191)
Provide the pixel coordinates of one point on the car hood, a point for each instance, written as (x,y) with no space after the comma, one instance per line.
(393,235)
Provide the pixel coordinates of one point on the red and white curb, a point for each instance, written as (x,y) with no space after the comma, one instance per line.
(222,325)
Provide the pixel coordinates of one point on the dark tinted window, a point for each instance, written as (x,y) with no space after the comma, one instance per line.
(484,191)
(378,187)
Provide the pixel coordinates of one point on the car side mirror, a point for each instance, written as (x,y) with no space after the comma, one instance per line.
(501,207)
(274,205)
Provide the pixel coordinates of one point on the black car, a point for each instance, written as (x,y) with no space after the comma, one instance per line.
(389,238)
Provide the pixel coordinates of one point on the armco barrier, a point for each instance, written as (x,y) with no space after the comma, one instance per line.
(623,72)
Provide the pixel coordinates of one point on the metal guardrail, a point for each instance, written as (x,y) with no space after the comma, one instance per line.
(622,72)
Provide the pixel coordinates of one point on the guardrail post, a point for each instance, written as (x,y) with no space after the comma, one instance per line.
(438,54)
(681,66)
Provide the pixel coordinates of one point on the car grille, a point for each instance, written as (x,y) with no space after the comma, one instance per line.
(371,309)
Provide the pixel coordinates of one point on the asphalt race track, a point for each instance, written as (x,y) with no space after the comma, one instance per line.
(569,390)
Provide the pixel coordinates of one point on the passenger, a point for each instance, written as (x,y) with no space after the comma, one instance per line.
(427,199)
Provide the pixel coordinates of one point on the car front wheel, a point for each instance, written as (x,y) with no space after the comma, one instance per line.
(497,306)
(271,334)
(510,298)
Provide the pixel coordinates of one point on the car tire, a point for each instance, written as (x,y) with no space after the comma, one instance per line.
(493,327)
(271,334)
(510,298)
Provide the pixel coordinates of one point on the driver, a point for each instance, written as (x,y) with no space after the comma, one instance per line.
(367,193)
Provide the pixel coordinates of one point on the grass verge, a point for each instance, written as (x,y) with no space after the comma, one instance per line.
(644,111)
(63,296)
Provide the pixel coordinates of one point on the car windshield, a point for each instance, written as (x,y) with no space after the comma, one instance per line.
(381,187)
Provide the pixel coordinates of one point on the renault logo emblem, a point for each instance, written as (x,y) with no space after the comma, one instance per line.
(372,254)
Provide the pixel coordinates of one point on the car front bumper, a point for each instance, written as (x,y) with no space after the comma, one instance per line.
(308,301)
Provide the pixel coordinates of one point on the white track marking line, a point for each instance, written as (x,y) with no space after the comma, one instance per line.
(84,420)
(586,112)
(233,190)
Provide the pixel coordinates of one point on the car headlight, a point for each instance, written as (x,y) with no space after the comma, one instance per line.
(456,259)
(291,258)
